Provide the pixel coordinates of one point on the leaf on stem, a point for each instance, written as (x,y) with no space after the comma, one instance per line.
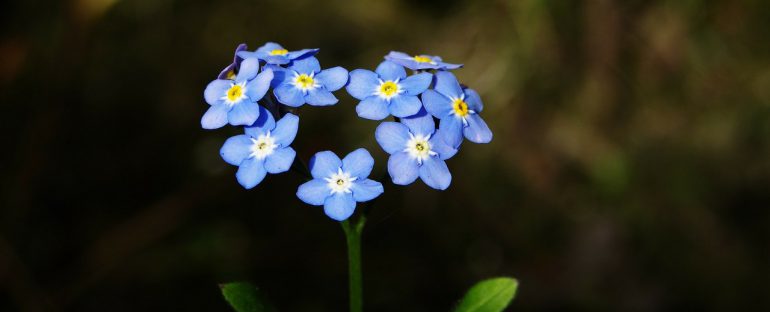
(244,297)
(491,295)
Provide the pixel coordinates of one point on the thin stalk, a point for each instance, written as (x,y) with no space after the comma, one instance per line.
(353,237)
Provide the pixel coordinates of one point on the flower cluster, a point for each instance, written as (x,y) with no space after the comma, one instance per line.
(240,97)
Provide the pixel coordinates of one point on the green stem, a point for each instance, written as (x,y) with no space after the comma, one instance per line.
(353,236)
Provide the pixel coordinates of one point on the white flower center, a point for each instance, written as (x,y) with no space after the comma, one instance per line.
(418,147)
(235,93)
(340,182)
(388,89)
(305,82)
(262,146)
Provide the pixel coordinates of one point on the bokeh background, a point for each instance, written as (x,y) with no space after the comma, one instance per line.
(630,168)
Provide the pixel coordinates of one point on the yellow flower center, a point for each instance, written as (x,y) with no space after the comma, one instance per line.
(460,107)
(279,52)
(234,93)
(304,82)
(388,88)
(420,147)
(231,75)
(262,145)
(422,59)
(340,181)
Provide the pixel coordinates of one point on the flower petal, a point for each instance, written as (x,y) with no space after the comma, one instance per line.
(403,169)
(477,130)
(289,95)
(215,117)
(362,84)
(243,113)
(390,71)
(333,78)
(267,47)
(473,100)
(404,105)
(286,129)
(436,104)
(279,74)
(236,149)
(438,144)
(301,53)
(392,136)
(257,87)
(366,190)
(358,163)
(446,84)
(320,97)
(251,172)
(249,69)
(420,123)
(313,192)
(280,160)
(416,84)
(373,107)
(324,164)
(452,128)
(215,90)
(264,123)
(435,173)
(306,65)
(340,206)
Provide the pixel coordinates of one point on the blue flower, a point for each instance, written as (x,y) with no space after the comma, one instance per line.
(230,71)
(339,184)
(273,53)
(387,91)
(458,109)
(264,148)
(305,82)
(420,62)
(235,101)
(416,149)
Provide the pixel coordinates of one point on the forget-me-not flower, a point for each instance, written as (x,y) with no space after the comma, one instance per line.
(235,101)
(305,82)
(458,109)
(387,91)
(339,184)
(420,62)
(273,53)
(416,150)
(230,71)
(263,149)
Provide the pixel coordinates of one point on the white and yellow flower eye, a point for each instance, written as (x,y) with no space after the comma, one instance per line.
(388,89)
(423,59)
(340,182)
(235,93)
(418,147)
(262,146)
(460,108)
(279,52)
(305,82)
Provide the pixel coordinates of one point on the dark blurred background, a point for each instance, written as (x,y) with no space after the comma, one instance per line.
(630,168)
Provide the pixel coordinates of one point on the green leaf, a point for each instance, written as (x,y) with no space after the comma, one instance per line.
(244,297)
(491,295)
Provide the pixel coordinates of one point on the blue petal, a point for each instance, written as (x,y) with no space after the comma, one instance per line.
(443,65)
(215,90)
(402,59)
(306,65)
(314,192)
(257,88)
(333,78)
(226,71)
(452,128)
(251,172)
(215,117)
(398,55)
(358,163)
(320,97)
(276,59)
(447,84)
(279,74)
(390,71)
(264,123)
(324,164)
(267,47)
(437,104)
(438,144)
(362,84)
(473,100)
(416,84)
(243,113)
(420,123)
(435,173)
(373,107)
(280,160)
(248,54)
(366,190)
(392,136)
(477,130)
(340,206)
(286,129)
(301,53)
(404,105)
(249,69)
(289,95)
(236,149)
(403,169)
